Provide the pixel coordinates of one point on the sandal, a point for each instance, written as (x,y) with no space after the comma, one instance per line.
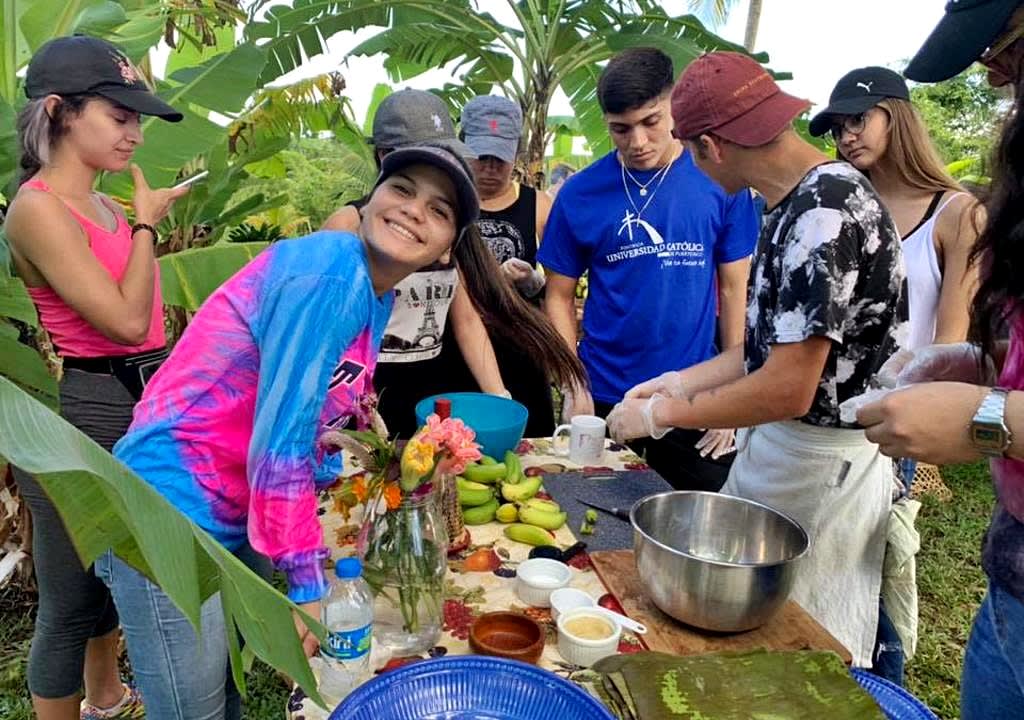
(130,706)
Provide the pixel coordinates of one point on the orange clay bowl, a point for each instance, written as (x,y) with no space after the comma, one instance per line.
(507,635)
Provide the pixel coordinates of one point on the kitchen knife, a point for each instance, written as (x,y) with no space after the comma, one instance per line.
(621,513)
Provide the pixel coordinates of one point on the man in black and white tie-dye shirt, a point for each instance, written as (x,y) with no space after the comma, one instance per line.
(825,310)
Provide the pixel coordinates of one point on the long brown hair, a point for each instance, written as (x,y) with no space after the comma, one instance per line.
(912,152)
(506,314)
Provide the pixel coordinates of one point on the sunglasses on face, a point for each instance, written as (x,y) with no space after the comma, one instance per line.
(853,124)
(1001,44)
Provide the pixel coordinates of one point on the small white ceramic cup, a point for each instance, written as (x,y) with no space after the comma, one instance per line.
(586,440)
(538,577)
(587,651)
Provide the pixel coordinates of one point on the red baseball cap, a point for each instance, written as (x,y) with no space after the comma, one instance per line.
(731,95)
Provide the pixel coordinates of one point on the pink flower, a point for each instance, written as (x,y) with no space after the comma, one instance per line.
(453,439)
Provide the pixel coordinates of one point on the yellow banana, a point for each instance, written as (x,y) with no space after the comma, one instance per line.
(521,491)
(480,514)
(545,505)
(507,513)
(542,518)
(529,534)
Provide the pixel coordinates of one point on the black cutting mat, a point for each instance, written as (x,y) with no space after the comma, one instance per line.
(620,488)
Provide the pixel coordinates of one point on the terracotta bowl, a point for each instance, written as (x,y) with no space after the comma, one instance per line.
(507,635)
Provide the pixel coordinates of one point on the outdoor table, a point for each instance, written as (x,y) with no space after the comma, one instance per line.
(469,594)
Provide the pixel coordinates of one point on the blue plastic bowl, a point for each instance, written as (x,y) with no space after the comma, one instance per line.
(469,687)
(896,703)
(498,422)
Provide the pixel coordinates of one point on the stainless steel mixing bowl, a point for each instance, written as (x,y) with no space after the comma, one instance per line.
(715,561)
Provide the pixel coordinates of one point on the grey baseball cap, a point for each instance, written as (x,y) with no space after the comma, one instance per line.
(412,117)
(492,125)
(445,159)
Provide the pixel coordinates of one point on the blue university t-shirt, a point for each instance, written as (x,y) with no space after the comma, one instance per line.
(652,300)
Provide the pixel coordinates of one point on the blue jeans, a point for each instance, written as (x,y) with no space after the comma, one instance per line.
(181,675)
(993,677)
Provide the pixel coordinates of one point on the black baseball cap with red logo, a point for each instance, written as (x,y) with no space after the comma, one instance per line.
(80,64)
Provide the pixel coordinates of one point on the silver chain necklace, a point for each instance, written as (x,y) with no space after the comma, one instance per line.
(660,176)
(643,186)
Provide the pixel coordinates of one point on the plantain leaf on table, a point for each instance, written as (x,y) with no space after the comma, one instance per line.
(798,685)
(104,505)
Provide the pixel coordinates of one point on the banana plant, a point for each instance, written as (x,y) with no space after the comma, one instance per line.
(552,44)
(104,505)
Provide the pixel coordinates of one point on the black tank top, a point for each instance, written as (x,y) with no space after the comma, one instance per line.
(512,232)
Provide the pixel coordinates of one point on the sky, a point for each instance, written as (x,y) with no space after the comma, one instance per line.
(816,41)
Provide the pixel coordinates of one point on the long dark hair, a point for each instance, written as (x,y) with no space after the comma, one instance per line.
(1000,246)
(38,131)
(513,319)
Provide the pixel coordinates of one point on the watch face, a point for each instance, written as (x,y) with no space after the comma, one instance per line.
(988,436)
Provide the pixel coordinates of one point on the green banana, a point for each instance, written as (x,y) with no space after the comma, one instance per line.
(480,514)
(487,460)
(522,491)
(546,505)
(513,468)
(472,494)
(463,484)
(484,473)
(529,534)
(541,518)
(507,513)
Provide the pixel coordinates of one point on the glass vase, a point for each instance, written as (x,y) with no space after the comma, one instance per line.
(404,554)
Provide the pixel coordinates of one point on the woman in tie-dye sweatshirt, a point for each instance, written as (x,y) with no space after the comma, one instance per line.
(227,429)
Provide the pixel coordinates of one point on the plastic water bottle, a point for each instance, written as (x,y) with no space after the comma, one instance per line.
(348,617)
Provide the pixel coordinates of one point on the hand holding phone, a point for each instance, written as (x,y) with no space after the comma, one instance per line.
(188,181)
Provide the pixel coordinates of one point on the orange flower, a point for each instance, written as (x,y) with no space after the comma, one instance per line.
(359,487)
(392,495)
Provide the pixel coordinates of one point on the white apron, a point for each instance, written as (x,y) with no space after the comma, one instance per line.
(838,486)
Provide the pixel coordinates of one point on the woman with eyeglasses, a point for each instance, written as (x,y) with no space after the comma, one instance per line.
(877,130)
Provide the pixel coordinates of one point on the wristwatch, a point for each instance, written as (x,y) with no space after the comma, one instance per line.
(989,433)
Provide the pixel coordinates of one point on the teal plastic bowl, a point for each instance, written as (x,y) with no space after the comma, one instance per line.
(498,422)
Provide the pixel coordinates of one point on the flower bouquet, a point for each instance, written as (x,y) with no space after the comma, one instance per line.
(402,541)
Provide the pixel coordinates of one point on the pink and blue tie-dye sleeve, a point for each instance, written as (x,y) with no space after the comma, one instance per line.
(304,326)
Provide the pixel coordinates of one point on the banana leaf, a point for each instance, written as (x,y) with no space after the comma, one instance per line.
(188,277)
(105,505)
(800,685)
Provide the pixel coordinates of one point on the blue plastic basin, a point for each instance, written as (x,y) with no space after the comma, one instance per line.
(498,422)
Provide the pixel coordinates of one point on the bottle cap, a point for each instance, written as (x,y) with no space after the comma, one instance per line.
(348,568)
(443,408)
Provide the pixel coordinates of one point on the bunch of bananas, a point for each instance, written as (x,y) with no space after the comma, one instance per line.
(529,518)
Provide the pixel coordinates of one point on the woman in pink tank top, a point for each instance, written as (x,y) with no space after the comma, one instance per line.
(93,278)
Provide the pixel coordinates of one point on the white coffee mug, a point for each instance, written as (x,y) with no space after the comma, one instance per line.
(586,439)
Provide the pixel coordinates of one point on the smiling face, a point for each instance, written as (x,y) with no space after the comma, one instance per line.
(103,135)
(865,148)
(411,219)
(643,135)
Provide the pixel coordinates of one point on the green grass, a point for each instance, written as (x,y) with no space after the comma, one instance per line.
(950,582)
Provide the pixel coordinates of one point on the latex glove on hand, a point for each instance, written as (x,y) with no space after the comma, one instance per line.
(528,280)
(634,418)
(955,362)
(668,384)
(576,400)
(716,443)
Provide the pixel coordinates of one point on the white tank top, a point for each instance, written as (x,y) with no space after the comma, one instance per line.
(924,279)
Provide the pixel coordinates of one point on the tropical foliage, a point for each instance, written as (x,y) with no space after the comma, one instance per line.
(554,45)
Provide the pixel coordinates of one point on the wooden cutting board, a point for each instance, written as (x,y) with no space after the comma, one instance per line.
(791,629)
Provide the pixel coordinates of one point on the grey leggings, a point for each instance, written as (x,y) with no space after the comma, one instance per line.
(74,605)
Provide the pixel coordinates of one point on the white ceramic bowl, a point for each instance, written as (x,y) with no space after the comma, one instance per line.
(585,651)
(536,578)
(567,598)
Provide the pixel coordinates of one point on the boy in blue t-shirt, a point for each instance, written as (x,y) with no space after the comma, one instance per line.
(668,254)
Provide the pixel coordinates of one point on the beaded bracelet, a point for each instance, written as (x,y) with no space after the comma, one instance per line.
(145,226)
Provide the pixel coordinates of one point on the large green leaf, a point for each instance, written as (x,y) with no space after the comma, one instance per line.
(105,505)
(187,278)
